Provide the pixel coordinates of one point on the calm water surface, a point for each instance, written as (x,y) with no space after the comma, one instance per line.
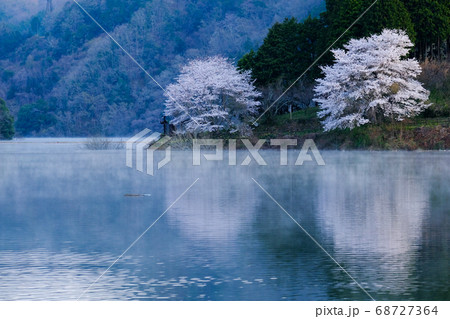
(384,216)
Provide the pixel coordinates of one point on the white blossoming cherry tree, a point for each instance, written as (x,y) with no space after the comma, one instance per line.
(371,81)
(210,95)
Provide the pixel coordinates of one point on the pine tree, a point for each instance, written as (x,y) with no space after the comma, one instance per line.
(288,50)
(432,23)
(276,54)
(341,14)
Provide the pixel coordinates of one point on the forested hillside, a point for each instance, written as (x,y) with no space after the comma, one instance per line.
(61,75)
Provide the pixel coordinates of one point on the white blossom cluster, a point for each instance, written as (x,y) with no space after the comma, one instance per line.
(371,81)
(210,95)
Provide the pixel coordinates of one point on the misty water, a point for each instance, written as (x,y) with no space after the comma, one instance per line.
(64,219)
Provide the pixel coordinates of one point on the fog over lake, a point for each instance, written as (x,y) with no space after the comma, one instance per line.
(64,219)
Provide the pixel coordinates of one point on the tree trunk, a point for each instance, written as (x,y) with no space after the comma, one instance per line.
(439,49)
(448,50)
(374,116)
(432,52)
(423,53)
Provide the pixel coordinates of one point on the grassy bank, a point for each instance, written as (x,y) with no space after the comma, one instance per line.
(411,134)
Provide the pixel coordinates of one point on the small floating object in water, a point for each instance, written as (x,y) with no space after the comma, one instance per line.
(138,195)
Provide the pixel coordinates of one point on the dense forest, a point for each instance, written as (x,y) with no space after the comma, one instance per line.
(61,75)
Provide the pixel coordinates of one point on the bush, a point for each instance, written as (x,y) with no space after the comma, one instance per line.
(100,143)
(360,138)
(6,122)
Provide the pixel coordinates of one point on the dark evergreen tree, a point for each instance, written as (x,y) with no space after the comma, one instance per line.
(341,14)
(6,122)
(278,53)
(288,50)
(431,19)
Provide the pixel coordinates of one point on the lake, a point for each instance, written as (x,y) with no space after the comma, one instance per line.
(64,219)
